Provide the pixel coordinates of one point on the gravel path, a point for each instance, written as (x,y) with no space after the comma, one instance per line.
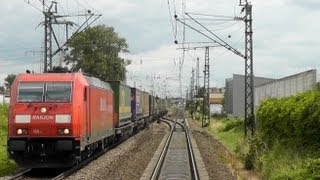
(212,154)
(128,160)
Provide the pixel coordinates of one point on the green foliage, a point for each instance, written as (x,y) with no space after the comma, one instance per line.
(96,52)
(232,123)
(2,89)
(281,162)
(287,142)
(194,107)
(317,86)
(200,93)
(7,166)
(228,138)
(9,80)
(249,150)
(292,120)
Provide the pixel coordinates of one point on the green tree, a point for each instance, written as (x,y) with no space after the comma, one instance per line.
(96,52)
(201,92)
(2,89)
(9,80)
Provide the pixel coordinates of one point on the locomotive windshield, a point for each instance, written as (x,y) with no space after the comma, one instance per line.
(58,92)
(30,92)
(44,92)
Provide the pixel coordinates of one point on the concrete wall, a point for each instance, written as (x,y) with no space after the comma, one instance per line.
(238,92)
(228,98)
(286,86)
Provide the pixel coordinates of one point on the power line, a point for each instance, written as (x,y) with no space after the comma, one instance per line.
(172,23)
(212,15)
(28,2)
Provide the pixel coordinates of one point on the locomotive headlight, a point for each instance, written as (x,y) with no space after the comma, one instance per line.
(43,110)
(19,131)
(66,131)
(22,131)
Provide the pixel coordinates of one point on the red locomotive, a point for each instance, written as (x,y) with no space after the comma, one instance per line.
(59,119)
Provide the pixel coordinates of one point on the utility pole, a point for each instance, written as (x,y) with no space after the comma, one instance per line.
(247,56)
(51,17)
(206,104)
(197,77)
(48,30)
(192,86)
(249,121)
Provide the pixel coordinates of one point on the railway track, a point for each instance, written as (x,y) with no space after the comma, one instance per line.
(58,174)
(62,173)
(177,159)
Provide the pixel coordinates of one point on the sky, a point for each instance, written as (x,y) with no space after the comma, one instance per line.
(285,35)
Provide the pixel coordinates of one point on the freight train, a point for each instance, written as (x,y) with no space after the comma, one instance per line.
(59,119)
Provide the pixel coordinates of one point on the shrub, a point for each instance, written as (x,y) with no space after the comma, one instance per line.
(249,151)
(232,123)
(294,120)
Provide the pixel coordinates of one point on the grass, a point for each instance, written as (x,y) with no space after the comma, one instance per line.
(7,166)
(276,162)
(229,138)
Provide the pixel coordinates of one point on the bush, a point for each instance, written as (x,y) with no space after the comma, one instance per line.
(250,151)
(294,120)
(232,123)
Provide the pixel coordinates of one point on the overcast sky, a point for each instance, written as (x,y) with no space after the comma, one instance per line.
(286,37)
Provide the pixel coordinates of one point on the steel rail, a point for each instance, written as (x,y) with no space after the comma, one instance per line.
(193,164)
(19,175)
(157,169)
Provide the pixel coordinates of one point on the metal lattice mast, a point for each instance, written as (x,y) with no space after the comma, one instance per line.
(206,105)
(249,83)
(48,36)
(197,77)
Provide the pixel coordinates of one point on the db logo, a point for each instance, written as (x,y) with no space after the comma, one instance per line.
(43,117)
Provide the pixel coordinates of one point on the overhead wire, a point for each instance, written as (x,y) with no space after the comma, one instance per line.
(28,2)
(171,20)
(211,15)
(225,51)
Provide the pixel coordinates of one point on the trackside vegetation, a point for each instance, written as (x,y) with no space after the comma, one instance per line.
(286,144)
(7,166)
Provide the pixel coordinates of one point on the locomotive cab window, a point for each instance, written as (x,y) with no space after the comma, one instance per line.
(58,92)
(30,92)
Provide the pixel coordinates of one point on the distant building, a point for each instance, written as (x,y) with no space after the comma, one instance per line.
(234,100)
(217,90)
(216,99)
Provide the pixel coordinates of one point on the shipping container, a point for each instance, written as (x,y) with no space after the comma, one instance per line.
(145,104)
(136,104)
(122,103)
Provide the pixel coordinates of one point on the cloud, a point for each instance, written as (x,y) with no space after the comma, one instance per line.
(307,4)
(285,36)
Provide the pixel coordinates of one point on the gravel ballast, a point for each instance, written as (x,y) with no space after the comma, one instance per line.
(211,153)
(128,160)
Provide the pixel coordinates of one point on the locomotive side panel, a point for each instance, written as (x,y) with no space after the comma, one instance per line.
(100,114)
